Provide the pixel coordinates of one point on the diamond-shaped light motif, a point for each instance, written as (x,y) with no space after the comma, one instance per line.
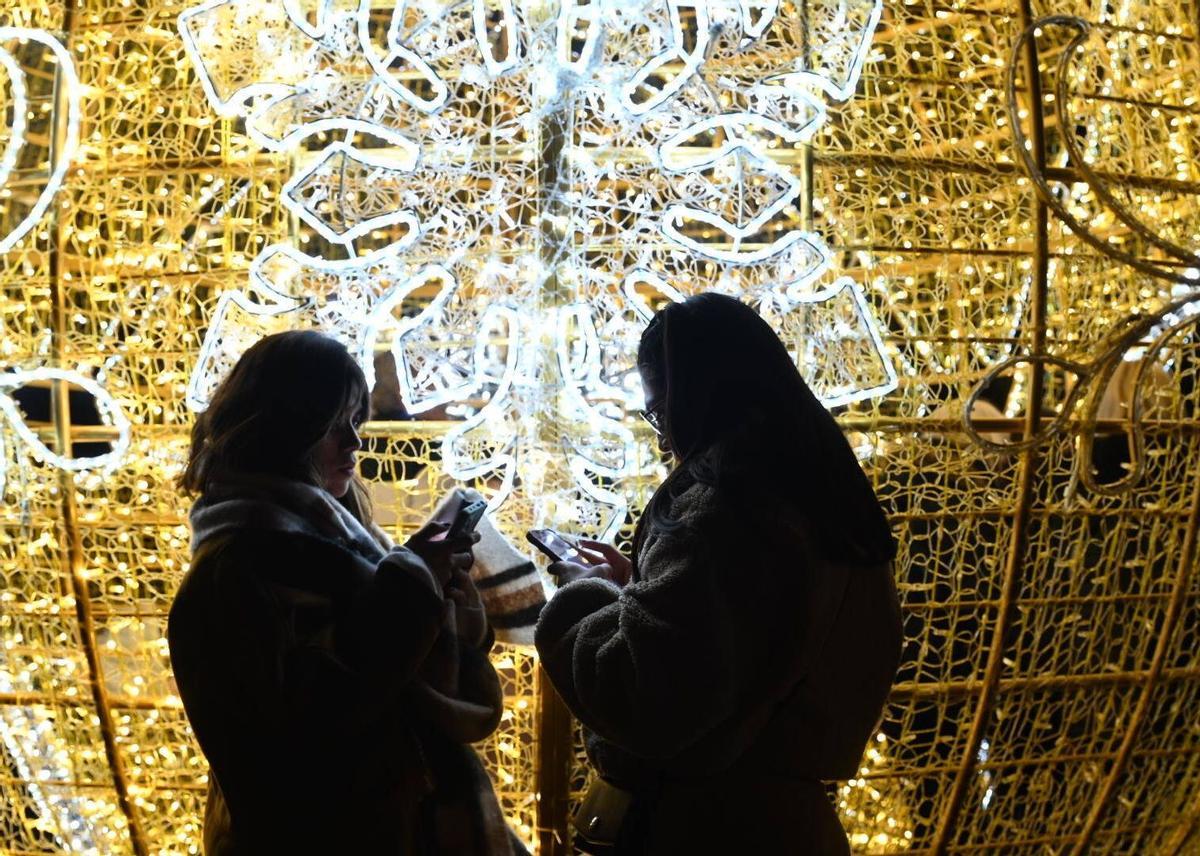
(348,193)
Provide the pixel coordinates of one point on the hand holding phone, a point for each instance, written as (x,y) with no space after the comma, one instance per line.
(466,519)
(447,547)
(620,567)
(554,545)
(575,561)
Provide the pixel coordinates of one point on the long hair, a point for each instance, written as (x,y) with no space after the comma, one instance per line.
(738,416)
(268,415)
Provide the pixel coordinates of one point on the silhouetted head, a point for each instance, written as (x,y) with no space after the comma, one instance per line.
(732,408)
(291,407)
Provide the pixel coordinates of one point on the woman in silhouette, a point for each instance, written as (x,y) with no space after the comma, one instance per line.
(333,680)
(743,656)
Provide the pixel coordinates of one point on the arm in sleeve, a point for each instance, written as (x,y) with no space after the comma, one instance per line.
(346,670)
(393,622)
(655,666)
(479,684)
(470,709)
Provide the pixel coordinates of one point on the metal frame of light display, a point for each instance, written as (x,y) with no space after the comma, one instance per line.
(498,194)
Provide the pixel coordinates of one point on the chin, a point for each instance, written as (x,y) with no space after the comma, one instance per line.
(338,486)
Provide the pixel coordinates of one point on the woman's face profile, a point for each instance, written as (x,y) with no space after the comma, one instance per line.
(334,457)
(656,406)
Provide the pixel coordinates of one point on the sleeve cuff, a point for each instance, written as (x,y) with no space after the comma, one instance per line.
(571,604)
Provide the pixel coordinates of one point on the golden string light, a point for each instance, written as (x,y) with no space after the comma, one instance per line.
(1047,572)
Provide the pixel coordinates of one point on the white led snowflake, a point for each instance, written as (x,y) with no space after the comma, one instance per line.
(536,178)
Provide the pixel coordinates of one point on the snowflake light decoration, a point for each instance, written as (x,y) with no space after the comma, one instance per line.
(537,177)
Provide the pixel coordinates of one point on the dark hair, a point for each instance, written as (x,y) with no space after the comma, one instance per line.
(268,415)
(738,416)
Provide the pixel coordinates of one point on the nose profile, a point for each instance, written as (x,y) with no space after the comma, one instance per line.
(352,442)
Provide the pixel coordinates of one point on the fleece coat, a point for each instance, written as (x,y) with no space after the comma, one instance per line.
(330,699)
(735,674)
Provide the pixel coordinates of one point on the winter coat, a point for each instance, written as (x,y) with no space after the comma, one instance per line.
(300,668)
(738,671)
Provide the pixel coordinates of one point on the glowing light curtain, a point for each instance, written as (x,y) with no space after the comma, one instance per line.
(486,200)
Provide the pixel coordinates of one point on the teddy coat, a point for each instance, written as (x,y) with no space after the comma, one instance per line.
(735,674)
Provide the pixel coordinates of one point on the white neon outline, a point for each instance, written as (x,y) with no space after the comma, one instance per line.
(691,61)
(70,82)
(569,15)
(639,304)
(496,67)
(578,467)
(767,8)
(671,229)
(414,401)
(338,126)
(479,352)
(296,14)
(397,51)
(739,136)
(239,99)
(598,423)
(16,142)
(505,461)
(260,283)
(795,288)
(275,302)
(197,398)
(858,59)
(363,340)
(869,322)
(588,377)
(405,163)
(110,412)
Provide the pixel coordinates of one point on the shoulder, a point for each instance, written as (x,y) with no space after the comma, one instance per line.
(698,532)
(257,548)
(705,516)
(738,539)
(250,558)
(696,504)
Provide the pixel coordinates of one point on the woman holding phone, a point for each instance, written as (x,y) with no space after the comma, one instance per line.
(333,681)
(743,656)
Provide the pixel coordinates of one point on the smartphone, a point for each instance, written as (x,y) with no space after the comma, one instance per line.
(467,518)
(554,545)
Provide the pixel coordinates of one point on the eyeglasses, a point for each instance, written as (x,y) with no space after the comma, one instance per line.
(653,419)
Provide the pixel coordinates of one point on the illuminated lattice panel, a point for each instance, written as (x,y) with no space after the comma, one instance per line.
(132,281)
(951,236)
(165,216)
(54,771)
(918,190)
